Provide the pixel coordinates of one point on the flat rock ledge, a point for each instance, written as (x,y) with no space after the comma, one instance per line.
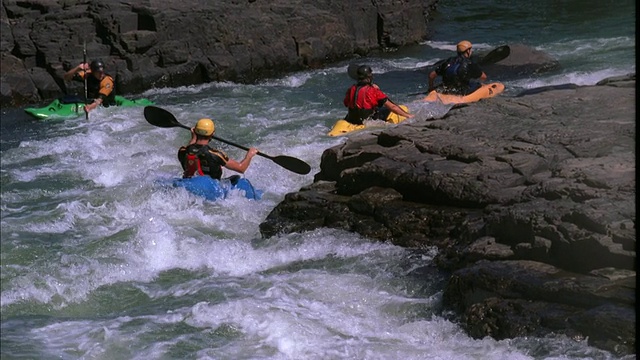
(530,201)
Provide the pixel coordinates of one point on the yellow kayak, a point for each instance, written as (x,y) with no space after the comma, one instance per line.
(342,127)
(484,92)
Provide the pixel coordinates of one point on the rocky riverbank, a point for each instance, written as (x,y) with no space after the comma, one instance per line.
(530,200)
(170,43)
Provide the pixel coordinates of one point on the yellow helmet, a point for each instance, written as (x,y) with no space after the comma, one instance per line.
(205,127)
(463,46)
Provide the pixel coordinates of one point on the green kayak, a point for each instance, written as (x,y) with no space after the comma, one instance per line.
(60,109)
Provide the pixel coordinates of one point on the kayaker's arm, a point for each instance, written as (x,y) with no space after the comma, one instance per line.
(397,109)
(242,166)
(106,87)
(432,78)
(68,76)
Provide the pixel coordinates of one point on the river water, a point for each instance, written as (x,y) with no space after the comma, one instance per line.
(99,262)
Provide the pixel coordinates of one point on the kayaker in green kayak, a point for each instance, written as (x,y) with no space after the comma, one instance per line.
(457,72)
(198,158)
(100,85)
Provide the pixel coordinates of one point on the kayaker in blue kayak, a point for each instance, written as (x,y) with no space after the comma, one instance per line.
(198,158)
(365,100)
(100,85)
(457,73)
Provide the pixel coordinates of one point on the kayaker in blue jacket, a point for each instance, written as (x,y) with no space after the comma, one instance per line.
(197,158)
(457,73)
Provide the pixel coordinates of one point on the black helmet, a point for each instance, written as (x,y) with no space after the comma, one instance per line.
(364,72)
(97,65)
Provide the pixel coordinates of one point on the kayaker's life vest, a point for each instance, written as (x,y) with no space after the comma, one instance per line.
(362,110)
(104,88)
(193,166)
(456,71)
(202,160)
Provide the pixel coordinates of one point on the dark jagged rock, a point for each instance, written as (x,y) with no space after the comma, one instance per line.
(157,43)
(531,201)
(504,299)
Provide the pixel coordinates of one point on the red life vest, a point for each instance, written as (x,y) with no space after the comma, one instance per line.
(201,160)
(192,166)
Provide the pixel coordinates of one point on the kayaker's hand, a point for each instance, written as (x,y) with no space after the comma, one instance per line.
(91,106)
(194,138)
(83,66)
(409,116)
(252,152)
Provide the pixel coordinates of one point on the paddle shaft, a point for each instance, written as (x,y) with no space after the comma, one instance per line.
(84,61)
(163,118)
(227,141)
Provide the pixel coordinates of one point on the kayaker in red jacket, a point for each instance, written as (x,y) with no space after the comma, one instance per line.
(365,100)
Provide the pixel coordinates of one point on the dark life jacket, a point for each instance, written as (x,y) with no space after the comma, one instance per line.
(202,160)
(456,72)
(93,89)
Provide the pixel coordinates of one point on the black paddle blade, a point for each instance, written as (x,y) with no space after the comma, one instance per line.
(161,118)
(292,164)
(496,55)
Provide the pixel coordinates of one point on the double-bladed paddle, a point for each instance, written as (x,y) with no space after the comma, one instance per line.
(496,55)
(84,57)
(163,118)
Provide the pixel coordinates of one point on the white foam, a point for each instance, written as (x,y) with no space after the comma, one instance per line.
(578,78)
(83,216)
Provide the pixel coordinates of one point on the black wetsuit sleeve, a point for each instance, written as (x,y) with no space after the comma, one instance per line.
(182,156)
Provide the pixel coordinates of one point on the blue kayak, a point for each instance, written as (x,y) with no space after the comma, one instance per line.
(213,189)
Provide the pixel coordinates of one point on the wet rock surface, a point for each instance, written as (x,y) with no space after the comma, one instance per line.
(530,200)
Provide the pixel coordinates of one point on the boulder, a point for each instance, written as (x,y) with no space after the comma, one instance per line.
(530,201)
(17,85)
